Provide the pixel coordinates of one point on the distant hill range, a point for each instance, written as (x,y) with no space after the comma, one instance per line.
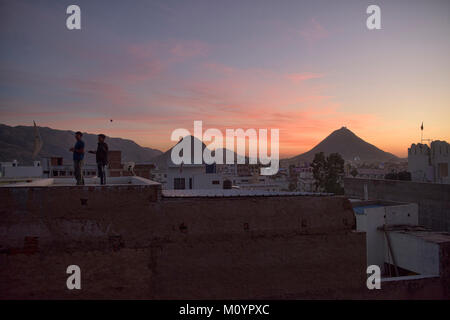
(164,160)
(18,143)
(349,146)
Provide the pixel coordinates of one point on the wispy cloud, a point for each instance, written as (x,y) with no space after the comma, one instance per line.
(299,77)
(313,31)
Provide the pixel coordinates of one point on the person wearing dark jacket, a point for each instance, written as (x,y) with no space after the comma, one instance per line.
(101,157)
(78,156)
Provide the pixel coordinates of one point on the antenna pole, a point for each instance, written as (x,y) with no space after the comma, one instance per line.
(421,133)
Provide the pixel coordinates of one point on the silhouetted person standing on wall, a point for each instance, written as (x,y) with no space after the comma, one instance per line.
(78,156)
(101,156)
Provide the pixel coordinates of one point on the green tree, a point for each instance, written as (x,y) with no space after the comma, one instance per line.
(334,173)
(328,172)
(319,171)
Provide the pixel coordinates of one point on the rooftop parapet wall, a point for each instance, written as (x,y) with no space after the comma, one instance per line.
(419,149)
(131,244)
(138,214)
(437,148)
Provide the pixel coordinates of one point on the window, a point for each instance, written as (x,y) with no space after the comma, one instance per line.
(190,183)
(55,173)
(215,182)
(443,170)
(179,184)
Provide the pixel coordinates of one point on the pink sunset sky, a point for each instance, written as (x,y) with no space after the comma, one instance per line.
(304,67)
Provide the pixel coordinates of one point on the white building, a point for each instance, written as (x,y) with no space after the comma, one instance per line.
(429,164)
(192,176)
(371,217)
(13,170)
(396,243)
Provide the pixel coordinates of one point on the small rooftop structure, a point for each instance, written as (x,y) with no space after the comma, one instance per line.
(397,243)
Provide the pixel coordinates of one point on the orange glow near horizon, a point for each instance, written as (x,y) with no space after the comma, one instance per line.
(306,69)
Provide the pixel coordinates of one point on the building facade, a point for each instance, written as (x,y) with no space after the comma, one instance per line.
(429,163)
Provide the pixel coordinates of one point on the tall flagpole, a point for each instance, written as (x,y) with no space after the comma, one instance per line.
(421,133)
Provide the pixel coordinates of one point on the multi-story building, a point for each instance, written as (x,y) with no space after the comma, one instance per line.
(118,169)
(429,163)
(192,176)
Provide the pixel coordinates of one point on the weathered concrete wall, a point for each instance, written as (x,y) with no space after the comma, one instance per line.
(131,244)
(433,199)
(413,253)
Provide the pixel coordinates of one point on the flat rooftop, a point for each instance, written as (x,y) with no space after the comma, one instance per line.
(421,232)
(359,204)
(360,209)
(111,181)
(221,193)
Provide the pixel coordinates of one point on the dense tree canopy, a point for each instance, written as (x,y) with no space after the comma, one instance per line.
(328,172)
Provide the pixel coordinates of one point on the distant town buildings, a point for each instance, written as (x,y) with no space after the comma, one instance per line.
(302,178)
(370,173)
(222,176)
(54,167)
(425,164)
(58,167)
